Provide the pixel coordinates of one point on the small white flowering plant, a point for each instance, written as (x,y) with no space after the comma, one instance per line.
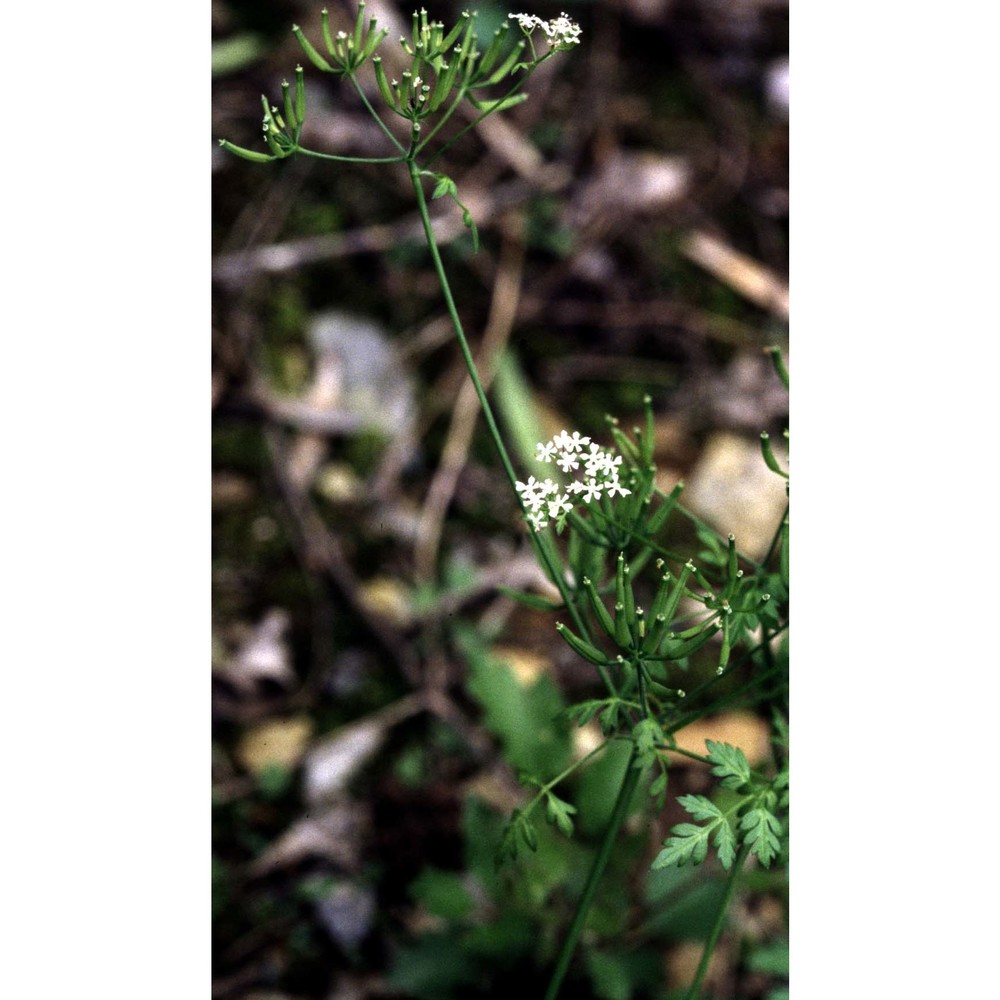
(596,472)
(595,515)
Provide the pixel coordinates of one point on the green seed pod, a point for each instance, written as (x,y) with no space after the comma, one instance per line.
(625,446)
(324,15)
(415,33)
(629,593)
(648,438)
(246,154)
(701,578)
(374,39)
(314,57)
(493,49)
(300,95)
(623,634)
(359,27)
(463,23)
(383,84)
(733,573)
(501,104)
(655,635)
(670,607)
(342,52)
(678,649)
(768,453)
(286,94)
(779,363)
(272,144)
(620,579)
(724,655)
(654,524)
(443,84)
(505,67)
(600,611)
(580,646)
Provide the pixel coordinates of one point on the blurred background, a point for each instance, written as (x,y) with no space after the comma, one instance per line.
(375,694)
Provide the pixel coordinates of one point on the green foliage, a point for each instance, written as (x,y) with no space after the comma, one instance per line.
(758,828)
(528,720)
(688,843)
(641,629)
(731,764)
(442,894)
(559,812)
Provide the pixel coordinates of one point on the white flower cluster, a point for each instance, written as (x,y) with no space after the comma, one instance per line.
(547,499)
(561,32)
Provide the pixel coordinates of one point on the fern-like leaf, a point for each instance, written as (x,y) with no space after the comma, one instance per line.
(731,764)
(760,830)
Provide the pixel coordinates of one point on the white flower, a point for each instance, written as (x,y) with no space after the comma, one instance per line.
(537,521)
(616,486)
(592,491)
(545,451)
(567,460)
(561,33)
(546,499)
(558,505)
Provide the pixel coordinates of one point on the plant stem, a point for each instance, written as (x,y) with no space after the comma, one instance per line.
(555,572)
(629,781)
(378,118)
(349,159)
(713,938)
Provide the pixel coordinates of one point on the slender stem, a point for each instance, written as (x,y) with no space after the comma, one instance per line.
(629,781)
(350,159)
(378,118)
(552,782)
(776,538)
(457,324)
(551,565)
(720,919)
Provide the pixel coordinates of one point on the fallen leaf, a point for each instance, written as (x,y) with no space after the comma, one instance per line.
(263,656)
(280,742)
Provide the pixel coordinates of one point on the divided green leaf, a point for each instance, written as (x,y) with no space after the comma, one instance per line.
(558,812)
(445,186)
(760,830)
(731,764)
(688,844)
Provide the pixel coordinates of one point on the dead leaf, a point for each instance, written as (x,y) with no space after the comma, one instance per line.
(263,656)
(335,834)
(279,742)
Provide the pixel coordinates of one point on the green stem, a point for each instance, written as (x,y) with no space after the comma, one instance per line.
(349,159)
(463,343)
(555,571)
(378,118)
(629,781)
(777,538)
(720,919)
